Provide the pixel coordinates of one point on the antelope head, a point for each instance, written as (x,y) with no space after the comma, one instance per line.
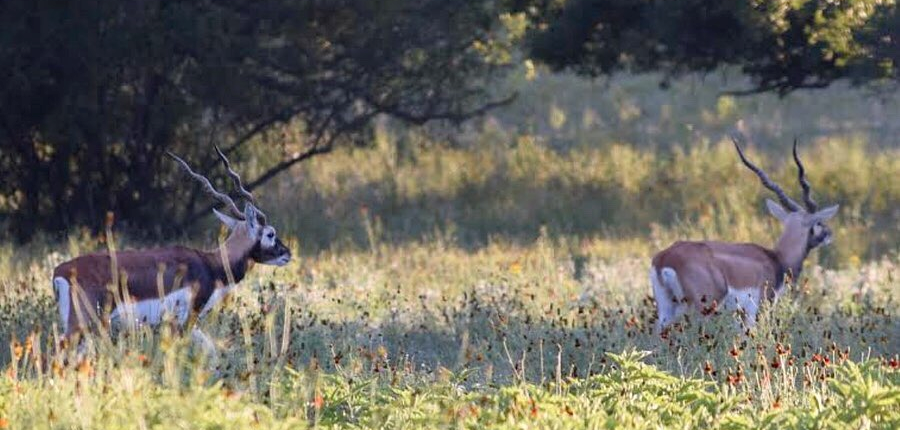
(248,228)
(803,226)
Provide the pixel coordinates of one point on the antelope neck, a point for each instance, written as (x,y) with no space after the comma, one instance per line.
(238,254)
(791,250)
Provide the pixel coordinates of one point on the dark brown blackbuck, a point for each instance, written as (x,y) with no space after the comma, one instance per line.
(701,276)
(132,288)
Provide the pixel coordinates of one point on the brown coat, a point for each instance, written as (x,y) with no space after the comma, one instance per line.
(203,271)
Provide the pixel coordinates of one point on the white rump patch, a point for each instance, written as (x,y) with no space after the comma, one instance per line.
(267,240)
(669,296)
(63,301)
(152,311)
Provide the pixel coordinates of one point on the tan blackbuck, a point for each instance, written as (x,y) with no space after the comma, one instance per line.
(704,275)
(140,287)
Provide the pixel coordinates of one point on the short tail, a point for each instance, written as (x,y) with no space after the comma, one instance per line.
(62,289)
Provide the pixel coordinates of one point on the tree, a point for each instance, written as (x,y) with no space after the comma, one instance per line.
(782,45)
(97,92)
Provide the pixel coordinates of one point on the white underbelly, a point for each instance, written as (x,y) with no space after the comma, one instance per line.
(175,305)
(745,299)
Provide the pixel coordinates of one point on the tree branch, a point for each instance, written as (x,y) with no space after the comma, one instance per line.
(455,117)
(782,89)
(265,177)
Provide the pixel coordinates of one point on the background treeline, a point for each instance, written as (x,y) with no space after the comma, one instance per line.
(623,162)
(94,94)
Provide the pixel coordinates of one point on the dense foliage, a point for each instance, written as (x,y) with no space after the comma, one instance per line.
(783,45)
(93,94)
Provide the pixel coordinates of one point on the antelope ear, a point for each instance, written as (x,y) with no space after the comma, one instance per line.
(227,220)
(826,214)
(776,210)
(250,216)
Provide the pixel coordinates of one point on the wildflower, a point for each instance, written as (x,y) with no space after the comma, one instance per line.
(84,367)
(632,322)
(781,349)
(709,310)
(735,379)
(4,424)
(318,401)
(734,352)
(515,268)
(29,341)
(17,349)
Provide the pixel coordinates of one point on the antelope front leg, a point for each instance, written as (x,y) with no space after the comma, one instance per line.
(202,340)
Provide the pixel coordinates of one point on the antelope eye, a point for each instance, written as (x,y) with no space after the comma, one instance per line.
(271,235)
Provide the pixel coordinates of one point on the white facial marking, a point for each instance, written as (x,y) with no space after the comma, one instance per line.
(268,237)
(151,311)
(63,301)
(278,261)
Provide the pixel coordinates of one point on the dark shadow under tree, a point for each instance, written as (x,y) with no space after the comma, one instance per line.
(94,94)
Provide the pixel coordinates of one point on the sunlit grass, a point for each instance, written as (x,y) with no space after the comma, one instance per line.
(501,285)
(511,190)
(434,335)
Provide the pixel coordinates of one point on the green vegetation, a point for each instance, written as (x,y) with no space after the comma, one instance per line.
(431,335)
(485,269)
(112,85)
(498,285)
(782,45)
(613,192)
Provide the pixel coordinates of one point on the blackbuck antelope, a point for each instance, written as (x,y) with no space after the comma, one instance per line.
(738,276)
(137,287)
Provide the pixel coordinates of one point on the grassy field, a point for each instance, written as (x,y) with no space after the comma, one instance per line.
(431,335)
(500,283)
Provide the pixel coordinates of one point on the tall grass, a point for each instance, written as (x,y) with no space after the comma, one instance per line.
(514,189)
(498,279)
(430,335)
